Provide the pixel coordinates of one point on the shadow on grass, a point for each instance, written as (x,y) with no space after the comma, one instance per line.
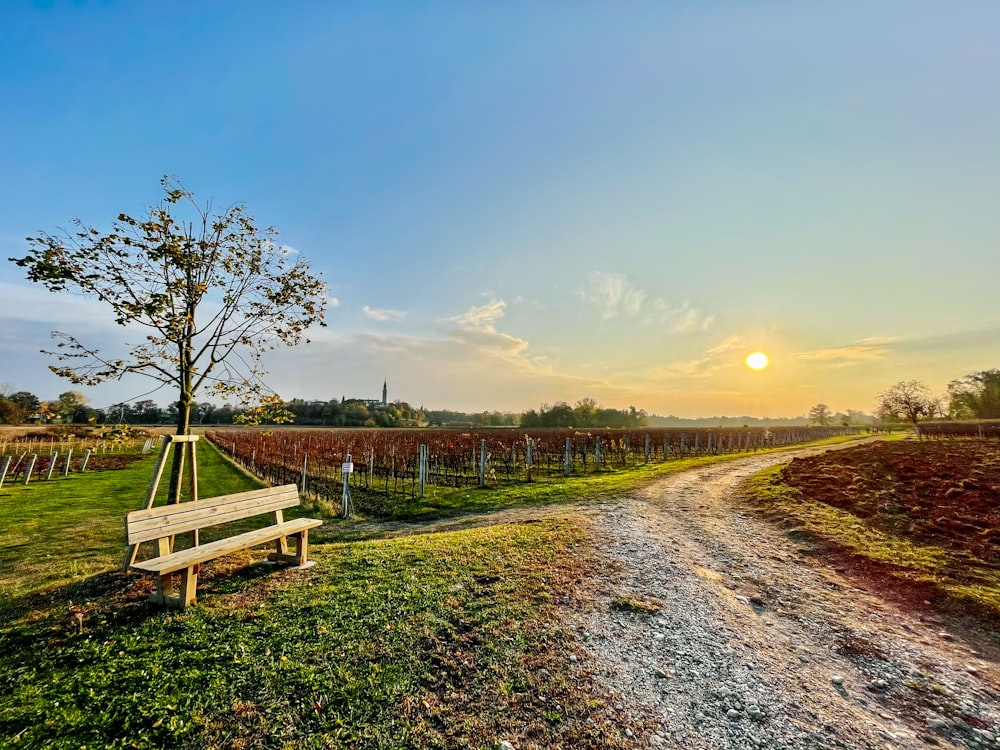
(117,600)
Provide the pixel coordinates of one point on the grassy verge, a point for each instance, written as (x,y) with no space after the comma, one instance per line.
(441,640)
(951,581)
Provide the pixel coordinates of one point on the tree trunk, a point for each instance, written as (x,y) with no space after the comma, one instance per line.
(183,415)
(177,469)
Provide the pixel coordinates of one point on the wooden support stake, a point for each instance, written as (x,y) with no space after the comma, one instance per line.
(154,483)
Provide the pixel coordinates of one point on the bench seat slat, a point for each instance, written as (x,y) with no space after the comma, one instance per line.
(170,520)
(196,555)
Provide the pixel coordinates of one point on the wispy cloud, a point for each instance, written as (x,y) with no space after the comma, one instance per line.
(616,297)
(332,302)
(287,250)
(728,344)
(481,318)
(477,328)
(383,315)
(859,352)
(613,294)
(715,359)
(877,340)
(687,319)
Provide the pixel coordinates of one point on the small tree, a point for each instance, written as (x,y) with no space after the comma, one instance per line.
(820,414)
(26,400)
(69,403)
(10,412)
(908,401)
(211,291)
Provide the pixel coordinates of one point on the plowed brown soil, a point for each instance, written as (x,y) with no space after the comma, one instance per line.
(945,493)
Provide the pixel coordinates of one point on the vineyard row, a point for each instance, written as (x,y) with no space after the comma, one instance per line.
(386,463)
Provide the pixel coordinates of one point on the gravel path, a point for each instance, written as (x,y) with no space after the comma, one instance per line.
(760,645)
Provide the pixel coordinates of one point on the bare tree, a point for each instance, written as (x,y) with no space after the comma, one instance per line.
(212,292)
(820,414)
(909,401)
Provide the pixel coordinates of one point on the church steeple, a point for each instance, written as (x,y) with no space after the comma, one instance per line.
(385,392)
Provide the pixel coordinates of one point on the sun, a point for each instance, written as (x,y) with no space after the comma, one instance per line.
(756,361)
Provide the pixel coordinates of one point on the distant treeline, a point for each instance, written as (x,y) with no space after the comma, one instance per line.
(586,413)
(848,418)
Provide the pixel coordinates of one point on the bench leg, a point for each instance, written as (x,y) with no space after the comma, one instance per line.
(189,582)
(302,548)
(159,594)
(186,592)
(281,546)
(300,558)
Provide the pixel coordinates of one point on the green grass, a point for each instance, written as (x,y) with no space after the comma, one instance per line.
(62,530)
(441,640)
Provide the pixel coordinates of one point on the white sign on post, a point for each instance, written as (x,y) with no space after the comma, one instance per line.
(347,468)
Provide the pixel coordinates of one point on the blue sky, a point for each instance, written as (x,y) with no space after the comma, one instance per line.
(522,203)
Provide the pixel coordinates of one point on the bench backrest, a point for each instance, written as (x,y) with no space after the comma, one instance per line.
(168,520)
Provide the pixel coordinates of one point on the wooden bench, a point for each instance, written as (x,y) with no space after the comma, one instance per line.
(161,524)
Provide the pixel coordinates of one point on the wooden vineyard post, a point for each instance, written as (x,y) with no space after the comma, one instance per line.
(646,451)
(482,464)
(305,465)
(528,459)
(53,458)
(346,506)
(86,458)
(3,469)
(569,456)
(597,453)
(31,467)
(422,469)
(69,455)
